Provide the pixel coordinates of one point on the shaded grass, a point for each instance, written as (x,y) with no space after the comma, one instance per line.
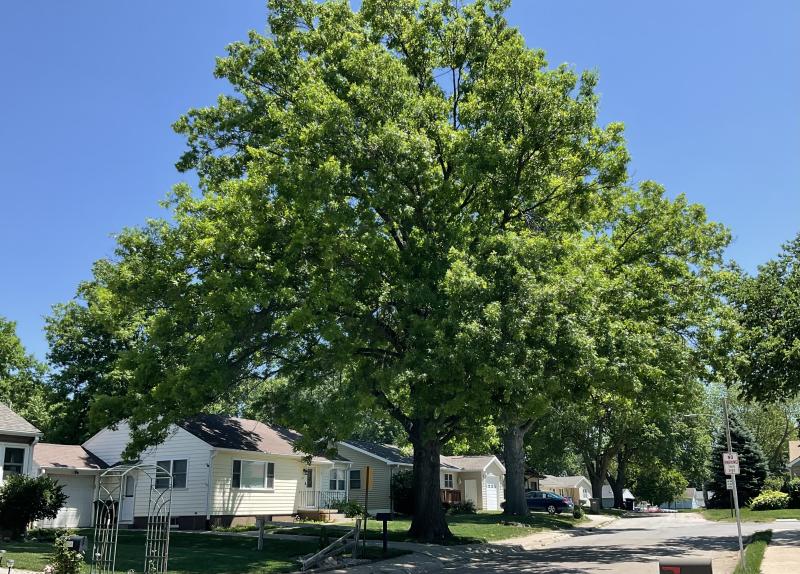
(466,528)
(748,515)
(188,554)
(754,553)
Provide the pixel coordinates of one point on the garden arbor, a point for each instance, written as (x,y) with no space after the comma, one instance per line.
(114,504)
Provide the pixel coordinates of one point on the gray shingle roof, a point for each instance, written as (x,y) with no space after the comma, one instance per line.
(391,453)
(47,455)
(562,481)
(235,433)
(469,463)
(13,423)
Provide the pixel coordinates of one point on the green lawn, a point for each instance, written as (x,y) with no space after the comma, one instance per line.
(754,553)
(751,515)
(466,528)
(189,554)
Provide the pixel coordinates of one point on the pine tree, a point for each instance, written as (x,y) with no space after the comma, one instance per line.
(752,463)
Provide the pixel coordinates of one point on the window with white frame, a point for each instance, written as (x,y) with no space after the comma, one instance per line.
(178,468)
(13,461)
(337,479)
(253,474)
(448,481)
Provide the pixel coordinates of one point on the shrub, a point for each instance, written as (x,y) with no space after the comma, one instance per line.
(350,508)
(465,507)
(403,492)
(47,534)
(24,499)
(66,560)
(577,512)
(770,500)
(793,490)
(775,483)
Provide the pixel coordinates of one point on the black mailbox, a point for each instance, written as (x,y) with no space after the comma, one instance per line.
(685,566)
(384,516)
(77,543)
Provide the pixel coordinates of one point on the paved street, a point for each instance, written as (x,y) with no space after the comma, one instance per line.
(626,546)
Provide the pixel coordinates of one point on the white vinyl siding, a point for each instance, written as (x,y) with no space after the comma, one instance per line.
(109,444)
(279,500)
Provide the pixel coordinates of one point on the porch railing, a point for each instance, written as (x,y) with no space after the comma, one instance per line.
(320,499)
(449,496)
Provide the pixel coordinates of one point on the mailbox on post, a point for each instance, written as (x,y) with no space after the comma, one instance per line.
(385,517)
(685,566)
(77,543)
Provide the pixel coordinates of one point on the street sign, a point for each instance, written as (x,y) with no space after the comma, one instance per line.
(730,460)
(729,483)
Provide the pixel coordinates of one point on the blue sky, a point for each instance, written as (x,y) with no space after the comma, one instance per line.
(709,92)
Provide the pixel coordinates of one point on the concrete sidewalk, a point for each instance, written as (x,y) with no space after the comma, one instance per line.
(783,553)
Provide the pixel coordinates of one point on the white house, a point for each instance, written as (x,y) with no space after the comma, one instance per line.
(608,495)
(577,487)
(226,471)
(794,458)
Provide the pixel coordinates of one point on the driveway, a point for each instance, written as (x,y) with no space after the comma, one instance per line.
(626,546)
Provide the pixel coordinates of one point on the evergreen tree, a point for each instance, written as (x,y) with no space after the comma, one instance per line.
(752,465)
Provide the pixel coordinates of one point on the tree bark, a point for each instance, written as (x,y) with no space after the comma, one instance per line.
(597,470)
(514,458)
(428,523)
(618,483)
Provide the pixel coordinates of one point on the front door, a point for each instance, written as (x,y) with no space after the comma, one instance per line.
(128,497)
(307,494)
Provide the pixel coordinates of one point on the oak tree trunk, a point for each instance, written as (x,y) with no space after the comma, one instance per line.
(428,523)
(514,458)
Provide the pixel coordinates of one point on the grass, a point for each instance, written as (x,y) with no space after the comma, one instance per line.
(189,554)
(724,514)
(754,553)
(466,528)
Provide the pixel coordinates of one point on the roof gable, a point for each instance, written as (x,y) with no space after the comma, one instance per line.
(12,423)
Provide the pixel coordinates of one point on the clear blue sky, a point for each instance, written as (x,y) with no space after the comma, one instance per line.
(709,91)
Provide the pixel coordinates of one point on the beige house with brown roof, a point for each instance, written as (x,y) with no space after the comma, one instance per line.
(794,458)
(480,479)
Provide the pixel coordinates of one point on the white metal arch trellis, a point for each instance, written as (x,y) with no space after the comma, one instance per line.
(108,506)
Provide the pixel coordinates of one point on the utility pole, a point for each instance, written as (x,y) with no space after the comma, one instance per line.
(733,478)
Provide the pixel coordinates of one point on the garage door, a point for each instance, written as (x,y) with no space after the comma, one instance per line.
(77,512)
(492,484)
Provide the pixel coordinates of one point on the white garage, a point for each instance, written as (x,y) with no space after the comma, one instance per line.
(492,493)
(76,469)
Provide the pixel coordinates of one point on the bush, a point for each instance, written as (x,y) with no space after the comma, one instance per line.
(466,507)
(47,534)
(792,488)
(350,508)
(577,512)
(66,560)
(770,500)
(775,483)
(403,492)
(24,499)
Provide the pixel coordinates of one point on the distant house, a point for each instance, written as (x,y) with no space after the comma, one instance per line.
(477,478)
(608,495)
(577,487)
(18,438)
(794,458)
(532,478)
(690,499)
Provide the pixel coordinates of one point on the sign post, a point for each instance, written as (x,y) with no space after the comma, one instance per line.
(730,460)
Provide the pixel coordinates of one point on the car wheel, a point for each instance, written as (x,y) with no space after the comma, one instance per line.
(551,509)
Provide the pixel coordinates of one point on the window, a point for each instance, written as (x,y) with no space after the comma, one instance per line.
(250,474)
(178,469)
(13,461)
(308,477)
(337,481)
(355,479)
(448,481)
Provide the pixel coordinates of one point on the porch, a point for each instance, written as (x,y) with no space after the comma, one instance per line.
(449,496)
(320,499)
